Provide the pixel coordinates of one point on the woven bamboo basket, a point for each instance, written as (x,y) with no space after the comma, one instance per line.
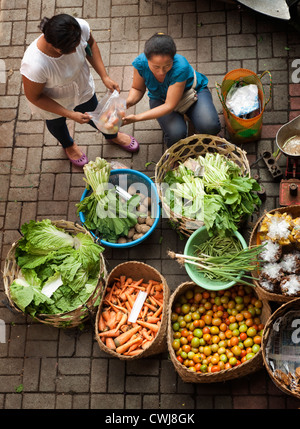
(283,344)
(69,319)
(137,270)
(192,147)
(294,211)
(241,370)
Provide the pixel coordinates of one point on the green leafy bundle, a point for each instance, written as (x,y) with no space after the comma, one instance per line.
(59,271)
(106,214)
(215,193)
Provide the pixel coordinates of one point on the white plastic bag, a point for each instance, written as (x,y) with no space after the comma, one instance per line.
(243,99)
(109,113)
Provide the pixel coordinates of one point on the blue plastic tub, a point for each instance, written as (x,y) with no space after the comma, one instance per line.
(124,178)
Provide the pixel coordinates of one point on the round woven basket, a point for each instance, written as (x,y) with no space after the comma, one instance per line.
(192,147)
(137,270)
(286,338)
(241,370)
(294,211)
(69,319)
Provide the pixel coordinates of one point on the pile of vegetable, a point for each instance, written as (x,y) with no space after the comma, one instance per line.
(222,259)
(131,315)
(58,271)
(213,331)
(113,214)
(280,271)
(211,189)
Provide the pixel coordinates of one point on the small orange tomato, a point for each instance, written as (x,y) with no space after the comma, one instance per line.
(215,368)
(227,365)
(257,339)
(243,359)
(234,341)
(179,358)
(228,333)
(197,367)
(223,327)
(243,336)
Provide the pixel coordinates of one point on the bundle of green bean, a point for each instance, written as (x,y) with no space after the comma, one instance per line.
(223,259)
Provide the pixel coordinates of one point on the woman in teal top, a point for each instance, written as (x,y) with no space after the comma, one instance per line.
(166,75)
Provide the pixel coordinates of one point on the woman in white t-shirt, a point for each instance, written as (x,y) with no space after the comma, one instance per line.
(58,83)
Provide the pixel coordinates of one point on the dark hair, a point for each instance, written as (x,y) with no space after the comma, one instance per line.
(160,44)
(61,31)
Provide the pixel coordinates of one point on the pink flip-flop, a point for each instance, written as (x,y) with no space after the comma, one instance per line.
(79,162)
(133,146)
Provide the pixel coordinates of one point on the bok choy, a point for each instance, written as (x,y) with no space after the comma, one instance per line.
(214,192)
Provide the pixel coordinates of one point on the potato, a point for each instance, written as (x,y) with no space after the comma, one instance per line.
(131,232)
(142,209)
(122,240)
(150,221)
(141,219)
(131,190)
(142,228)
(137,236)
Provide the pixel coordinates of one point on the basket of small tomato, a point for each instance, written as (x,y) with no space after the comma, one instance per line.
(216,335)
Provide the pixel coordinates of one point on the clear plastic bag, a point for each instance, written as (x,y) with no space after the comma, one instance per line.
(109,113)
(242,100)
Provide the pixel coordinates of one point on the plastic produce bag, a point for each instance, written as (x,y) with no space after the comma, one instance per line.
(242,100)
(109,113)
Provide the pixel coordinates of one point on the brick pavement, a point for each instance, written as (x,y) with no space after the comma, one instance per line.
(65,369)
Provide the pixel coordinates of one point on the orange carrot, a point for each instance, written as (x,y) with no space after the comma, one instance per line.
(134,352)
(111,333)
(158,312)
(152,319)
(157,301)
(151,326)
(153,302)
(110,343)
(127,306)
(122,321)
(149,287)
(121,349)
(146,334)
(146,344)
(122,280)
(130,299)
(121,339)
(101,324)
(111,322)
(150,306)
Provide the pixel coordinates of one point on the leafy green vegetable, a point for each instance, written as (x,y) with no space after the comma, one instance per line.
(215,193)
(68,275)
(42,237)
(105,213)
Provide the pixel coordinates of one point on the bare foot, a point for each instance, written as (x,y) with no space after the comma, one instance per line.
(122,139)
(73,152)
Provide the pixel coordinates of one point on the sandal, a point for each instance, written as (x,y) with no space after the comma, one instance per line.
(133,146)
(79,162)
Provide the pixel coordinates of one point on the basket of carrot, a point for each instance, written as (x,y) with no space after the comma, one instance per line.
(131,320)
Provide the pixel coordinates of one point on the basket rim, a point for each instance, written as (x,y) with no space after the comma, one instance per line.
(162,332)
(167,155)
(218,376)
(277,313)
(41,316)
(271,296)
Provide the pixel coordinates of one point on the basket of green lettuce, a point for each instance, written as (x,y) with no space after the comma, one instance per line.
(205,180)
(55,273)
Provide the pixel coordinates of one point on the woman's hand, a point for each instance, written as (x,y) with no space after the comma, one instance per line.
(81,118)
(110,84)
(130,119)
